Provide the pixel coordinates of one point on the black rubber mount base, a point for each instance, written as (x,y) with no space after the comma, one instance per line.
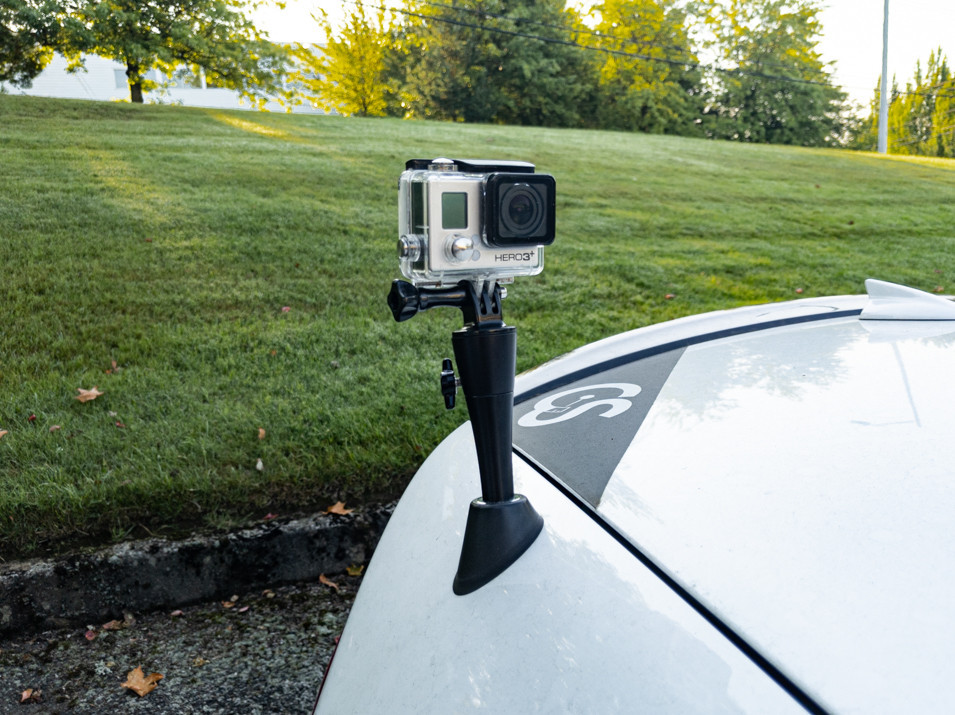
(496,535)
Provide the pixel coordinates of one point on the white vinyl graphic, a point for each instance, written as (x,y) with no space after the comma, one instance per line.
(545,412)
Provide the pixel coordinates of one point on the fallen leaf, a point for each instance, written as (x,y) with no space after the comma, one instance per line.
(114,364)
(258,465)
(176,613)
(261,433)
(355,570)
(269,516)
(338,508)
(244,609)
(31,418)
(286,308)
(3,432)
(199,661)
(268,593)
(141,684)
(799,290)
(939,289)
(90,635)
(228,604)
(669,296)
(54,428)
(322,579)
(30,696)
(120,425)
(113,625)
(87,395)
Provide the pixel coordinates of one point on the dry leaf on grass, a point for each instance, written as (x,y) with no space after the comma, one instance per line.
(87,395)
(338,508)
(355,570)
(261,433)
(4,432)
(141,684)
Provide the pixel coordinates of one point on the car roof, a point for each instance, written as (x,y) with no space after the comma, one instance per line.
(789,467)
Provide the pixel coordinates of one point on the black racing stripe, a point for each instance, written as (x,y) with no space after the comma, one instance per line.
(599,367)
(781,679)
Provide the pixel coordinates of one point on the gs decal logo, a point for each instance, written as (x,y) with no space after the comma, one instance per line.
(546,412)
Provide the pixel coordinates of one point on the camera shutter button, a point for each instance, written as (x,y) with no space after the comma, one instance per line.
(462,247)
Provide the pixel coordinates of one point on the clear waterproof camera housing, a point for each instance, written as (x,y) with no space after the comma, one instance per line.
(473,219)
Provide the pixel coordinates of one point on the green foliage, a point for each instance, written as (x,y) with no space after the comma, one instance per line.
(774,87)
(348,74)
(651,81)
(509,61)
(922,118)
(535,62)
(29,30)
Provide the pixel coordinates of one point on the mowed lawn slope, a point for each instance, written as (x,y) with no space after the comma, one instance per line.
(221,278)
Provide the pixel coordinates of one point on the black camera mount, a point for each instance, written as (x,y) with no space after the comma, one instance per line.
(501,525)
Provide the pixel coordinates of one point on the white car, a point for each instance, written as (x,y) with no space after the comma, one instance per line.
(744,511)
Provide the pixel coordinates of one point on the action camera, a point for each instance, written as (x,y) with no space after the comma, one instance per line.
(473,219)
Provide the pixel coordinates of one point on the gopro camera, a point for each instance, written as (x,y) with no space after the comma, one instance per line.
(473,219)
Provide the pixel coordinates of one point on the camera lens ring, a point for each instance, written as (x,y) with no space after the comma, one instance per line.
(521,210)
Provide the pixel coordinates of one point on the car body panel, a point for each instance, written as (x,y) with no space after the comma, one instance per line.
(799,483)
(576,625)
(741,508)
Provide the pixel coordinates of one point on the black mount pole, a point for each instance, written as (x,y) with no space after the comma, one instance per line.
(501,525)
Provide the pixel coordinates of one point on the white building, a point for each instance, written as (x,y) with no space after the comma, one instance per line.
(105,80)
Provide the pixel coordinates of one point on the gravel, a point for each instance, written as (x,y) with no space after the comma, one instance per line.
(261,652)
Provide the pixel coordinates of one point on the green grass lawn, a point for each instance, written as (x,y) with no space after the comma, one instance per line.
(150,251)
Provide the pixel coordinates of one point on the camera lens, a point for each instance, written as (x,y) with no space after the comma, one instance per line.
(522,210)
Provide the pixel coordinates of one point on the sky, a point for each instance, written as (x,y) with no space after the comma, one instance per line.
(852,35)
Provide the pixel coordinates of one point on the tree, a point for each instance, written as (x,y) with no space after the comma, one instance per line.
(651,81)
(774,86)
(29,32)
(214,35)
(922,118)
(348,74)
(510,61)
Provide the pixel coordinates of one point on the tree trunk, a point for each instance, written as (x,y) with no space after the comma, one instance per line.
(135,83)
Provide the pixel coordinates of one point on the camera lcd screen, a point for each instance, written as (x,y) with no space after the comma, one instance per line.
(454,210)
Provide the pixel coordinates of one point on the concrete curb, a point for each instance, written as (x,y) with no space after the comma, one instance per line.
(138,576)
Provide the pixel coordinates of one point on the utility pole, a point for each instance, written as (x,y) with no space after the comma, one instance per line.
(884,92)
